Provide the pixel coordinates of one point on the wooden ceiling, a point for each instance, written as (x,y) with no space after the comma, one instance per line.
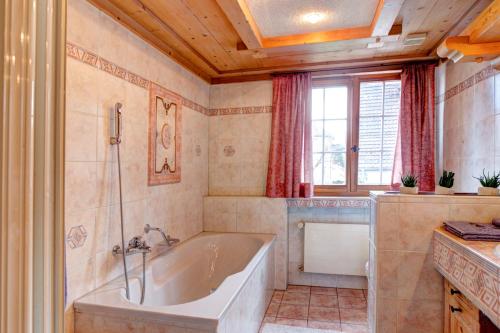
(219,40)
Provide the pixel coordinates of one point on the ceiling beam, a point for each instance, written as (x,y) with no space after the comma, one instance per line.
(317,37)
(479,41)
(240,17)
(461,24)
(460,48)
(385,16)
(486,27)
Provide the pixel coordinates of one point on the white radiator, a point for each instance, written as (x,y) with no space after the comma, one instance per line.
(336,248)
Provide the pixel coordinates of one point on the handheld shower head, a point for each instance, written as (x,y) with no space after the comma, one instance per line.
(117,130)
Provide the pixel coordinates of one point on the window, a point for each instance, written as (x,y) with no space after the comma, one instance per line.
(329,128)
(354,128)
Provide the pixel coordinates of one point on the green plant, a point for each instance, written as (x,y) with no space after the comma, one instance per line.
(489,181)
(447,179)
(409,180)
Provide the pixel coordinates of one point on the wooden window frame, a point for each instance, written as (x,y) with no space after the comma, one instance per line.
(351,188)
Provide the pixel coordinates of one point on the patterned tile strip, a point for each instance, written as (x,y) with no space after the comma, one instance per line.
(94,60)
(478,282)
(328,203)
(482,75)
(240,110)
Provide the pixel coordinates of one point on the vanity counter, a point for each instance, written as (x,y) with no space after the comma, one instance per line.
(472,267)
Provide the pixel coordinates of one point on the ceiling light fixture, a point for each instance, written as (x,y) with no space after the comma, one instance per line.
(313,17)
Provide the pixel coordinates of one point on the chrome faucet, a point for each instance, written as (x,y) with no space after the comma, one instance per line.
(169,241)
(135,245)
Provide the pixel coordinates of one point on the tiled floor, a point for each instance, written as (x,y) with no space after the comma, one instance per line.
(329,309)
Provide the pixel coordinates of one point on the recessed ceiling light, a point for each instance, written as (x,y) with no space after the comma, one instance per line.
(313,17)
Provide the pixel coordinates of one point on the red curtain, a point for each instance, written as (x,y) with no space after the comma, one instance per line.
(289,172)
(416,136)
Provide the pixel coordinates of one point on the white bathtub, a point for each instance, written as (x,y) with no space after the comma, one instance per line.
(214,282)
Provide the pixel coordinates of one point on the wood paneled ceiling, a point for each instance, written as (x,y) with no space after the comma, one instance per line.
(220,41)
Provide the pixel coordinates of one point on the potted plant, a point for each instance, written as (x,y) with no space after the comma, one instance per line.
(409,184)
(446,183)
(489,184)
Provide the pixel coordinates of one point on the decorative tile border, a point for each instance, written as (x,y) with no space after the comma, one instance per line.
(240,110)
(328,203)
(96,61)
(474,277)
(482,75)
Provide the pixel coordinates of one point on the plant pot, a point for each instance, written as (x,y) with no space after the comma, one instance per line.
(443,190)
(408,190)
(487,191)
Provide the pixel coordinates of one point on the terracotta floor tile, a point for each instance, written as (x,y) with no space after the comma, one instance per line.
(328,301)
(354,316)
(352,302)
(346,292)
(269,319)
(324,290)
(298,289)
(277,296)
(317,313)
(326,325)
(291,322)
(272,309)
(295,298)
(350,328)
(292,311)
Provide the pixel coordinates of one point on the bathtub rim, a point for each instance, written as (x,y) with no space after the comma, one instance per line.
(107,300)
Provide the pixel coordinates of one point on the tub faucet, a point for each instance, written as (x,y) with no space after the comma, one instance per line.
(169,241)
(135,245)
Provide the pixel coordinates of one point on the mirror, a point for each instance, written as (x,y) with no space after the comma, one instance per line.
(164,136)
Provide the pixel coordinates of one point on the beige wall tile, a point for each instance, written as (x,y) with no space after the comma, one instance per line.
(387,227)
(474,212)
(81,142)
(80,183)
(419,316)
(469,126)
(417,278)
(416,224)
(249,215)
(241,94)
(82,79)
(245,171)
(387,320)
(388,267)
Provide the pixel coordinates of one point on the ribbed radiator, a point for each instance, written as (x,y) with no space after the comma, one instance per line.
(336,248)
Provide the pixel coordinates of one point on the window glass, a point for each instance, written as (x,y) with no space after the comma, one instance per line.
(379,103)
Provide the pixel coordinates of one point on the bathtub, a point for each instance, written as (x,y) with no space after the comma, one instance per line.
(214,282)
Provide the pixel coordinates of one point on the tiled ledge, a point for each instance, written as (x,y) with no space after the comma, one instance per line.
(471,269)
(329,202)
(462,198)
